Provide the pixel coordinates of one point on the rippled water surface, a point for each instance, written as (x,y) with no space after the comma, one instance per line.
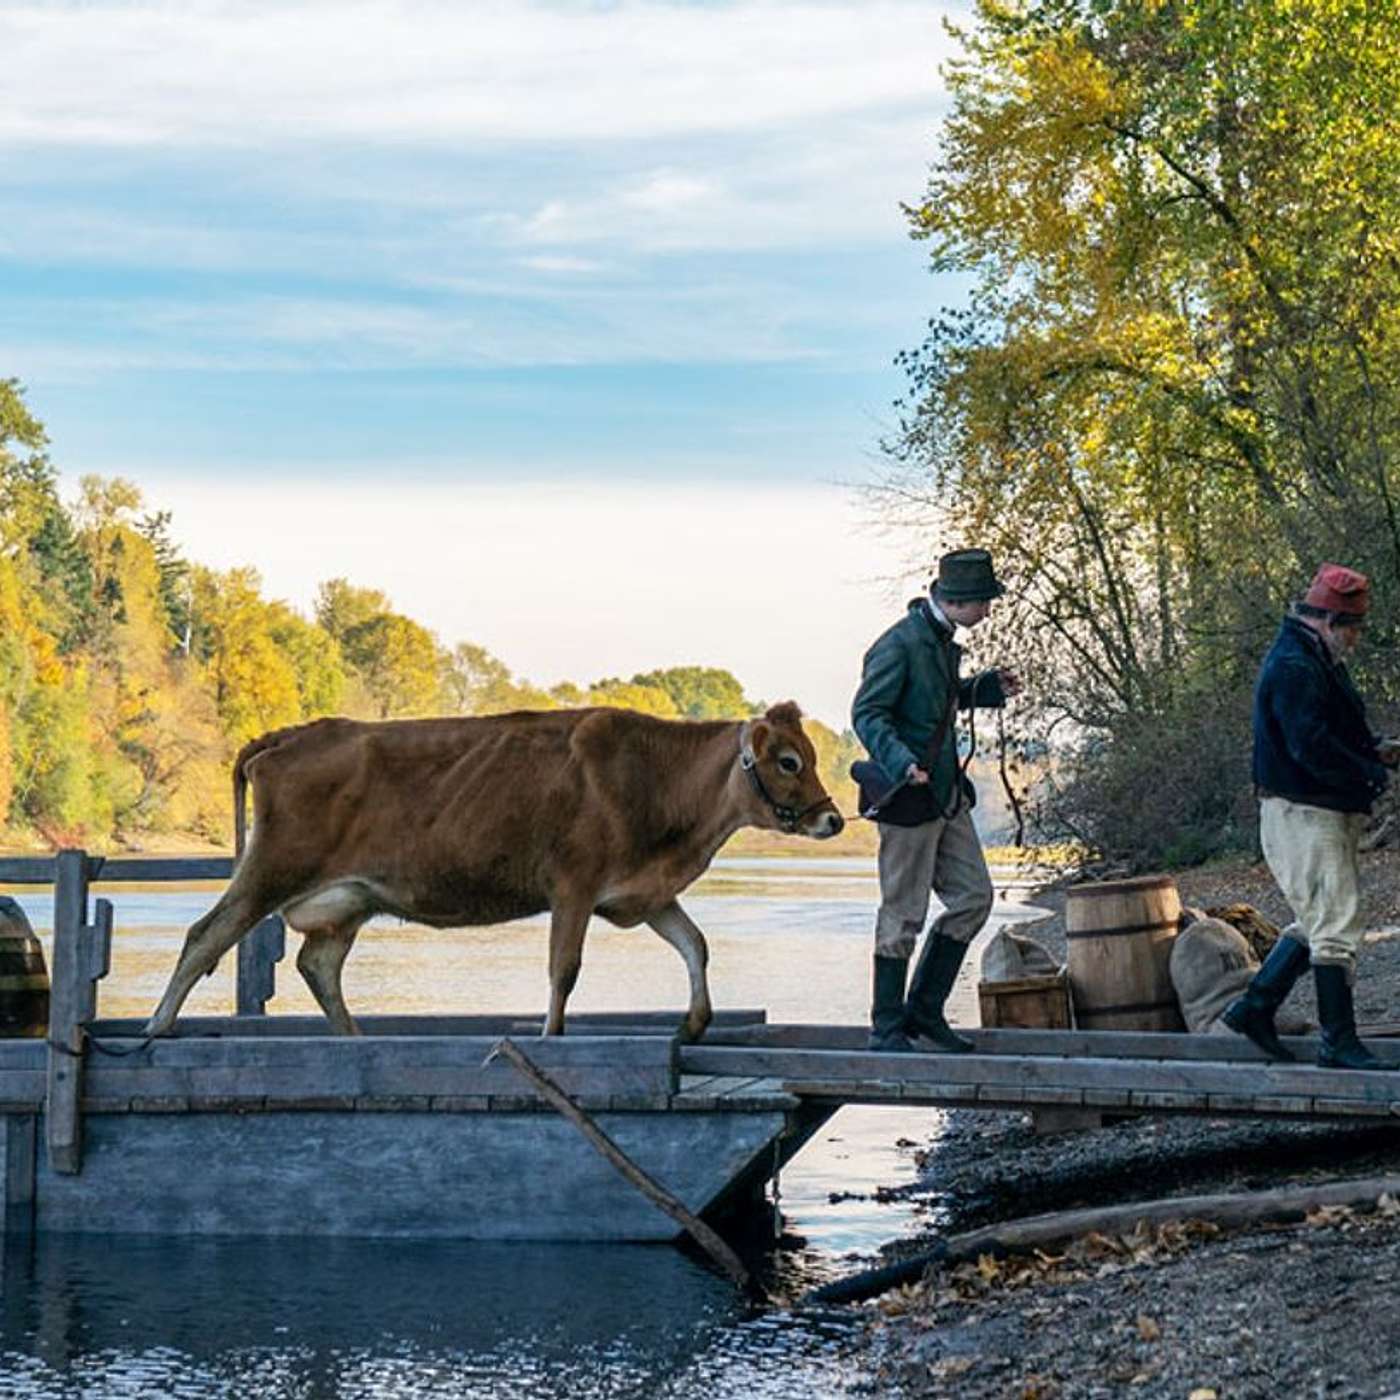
(214,1318)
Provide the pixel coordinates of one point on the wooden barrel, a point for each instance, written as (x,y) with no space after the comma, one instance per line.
(24,979)
(1120,935)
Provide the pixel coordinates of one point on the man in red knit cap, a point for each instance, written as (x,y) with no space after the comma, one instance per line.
(1318,767)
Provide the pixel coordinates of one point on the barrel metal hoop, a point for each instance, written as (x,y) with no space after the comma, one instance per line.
(1120,932)
(24,982)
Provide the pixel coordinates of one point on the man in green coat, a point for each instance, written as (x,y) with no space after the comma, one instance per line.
(909,692)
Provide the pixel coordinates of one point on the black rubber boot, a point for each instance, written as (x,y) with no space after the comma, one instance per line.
(1252,1014)
(933,980)
(887,1006)
(1341,1047)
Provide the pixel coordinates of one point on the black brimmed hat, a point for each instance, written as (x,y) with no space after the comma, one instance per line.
(965,576)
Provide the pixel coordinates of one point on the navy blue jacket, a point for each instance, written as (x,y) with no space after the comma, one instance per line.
(1311,740)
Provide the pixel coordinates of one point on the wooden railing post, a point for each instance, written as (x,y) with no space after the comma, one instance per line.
(82,954)
(258,956)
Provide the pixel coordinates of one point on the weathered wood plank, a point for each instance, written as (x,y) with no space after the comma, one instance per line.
(1106,1098)
(468,1175)
(846,1090)
(989,1072)
(1345,1107)
(1134,1045)
(315,1052)
(293,1086)
(41,870)
(258,955)
(1053,1094)
(69,1005)
(1162,1100)
(585,1024)
(18,1135)
(948,1095)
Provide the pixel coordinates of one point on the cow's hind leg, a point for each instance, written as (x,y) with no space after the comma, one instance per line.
(207,941)
(678,929)
(568,923)
(322,956)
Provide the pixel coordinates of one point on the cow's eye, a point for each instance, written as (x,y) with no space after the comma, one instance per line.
(789,763)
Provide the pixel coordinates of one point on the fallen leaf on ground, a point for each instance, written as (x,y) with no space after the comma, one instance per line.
(1148,1329)
(951,1366)
(1203,1392)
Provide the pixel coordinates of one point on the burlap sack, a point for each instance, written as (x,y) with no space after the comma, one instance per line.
(1010,956)
(1259,933)
(1211,964)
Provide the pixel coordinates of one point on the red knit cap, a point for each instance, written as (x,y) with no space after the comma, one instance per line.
(1339,590)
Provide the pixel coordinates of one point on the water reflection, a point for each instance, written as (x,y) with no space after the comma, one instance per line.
(138,1317)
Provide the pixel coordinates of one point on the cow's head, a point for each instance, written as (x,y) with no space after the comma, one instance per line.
(781,765)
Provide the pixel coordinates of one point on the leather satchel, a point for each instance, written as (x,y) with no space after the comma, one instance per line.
(903,803)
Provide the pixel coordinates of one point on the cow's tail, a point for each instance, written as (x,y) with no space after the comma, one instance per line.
(240,797)
(246,754)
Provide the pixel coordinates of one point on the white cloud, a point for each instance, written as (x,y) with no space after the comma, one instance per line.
(236,72)
(550,262)
(666,190)
(563,581)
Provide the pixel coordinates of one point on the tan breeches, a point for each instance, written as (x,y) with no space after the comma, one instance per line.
(1311,852)
(943,858)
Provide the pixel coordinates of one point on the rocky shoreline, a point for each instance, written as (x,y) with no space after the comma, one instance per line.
(1298,1309)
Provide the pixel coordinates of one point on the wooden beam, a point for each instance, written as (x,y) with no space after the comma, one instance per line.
(75,951)
(1126,1045)
(42,870)
(259,952)
(1006,1079)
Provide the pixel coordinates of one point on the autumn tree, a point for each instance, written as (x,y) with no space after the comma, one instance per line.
(475,682)
(399,662)
(629,695)
(700,692)
(1173,386)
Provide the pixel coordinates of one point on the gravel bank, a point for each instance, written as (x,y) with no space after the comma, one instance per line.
(1302,1309)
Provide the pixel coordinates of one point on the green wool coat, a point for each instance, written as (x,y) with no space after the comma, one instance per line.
(904,688)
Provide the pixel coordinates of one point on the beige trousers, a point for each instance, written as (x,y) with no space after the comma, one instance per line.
(1311,852)
(943,858)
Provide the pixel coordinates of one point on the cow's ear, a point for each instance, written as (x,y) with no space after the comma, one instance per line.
(787,713)
(759,734)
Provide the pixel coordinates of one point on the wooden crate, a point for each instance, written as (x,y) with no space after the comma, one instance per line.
(1027,1003)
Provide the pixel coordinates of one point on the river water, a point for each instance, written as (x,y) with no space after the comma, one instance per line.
(136,1317)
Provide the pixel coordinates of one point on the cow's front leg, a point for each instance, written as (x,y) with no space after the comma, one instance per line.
(678,929)
(568,922)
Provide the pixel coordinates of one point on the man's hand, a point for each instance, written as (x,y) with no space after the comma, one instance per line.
(915,775)
(1011,684)
(1388,751)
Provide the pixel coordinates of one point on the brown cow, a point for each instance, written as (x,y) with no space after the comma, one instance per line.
(451,822)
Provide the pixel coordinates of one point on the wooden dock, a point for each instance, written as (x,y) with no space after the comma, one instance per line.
(267,1125)
(1100,1072)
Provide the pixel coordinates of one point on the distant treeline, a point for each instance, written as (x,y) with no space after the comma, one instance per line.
(129,675)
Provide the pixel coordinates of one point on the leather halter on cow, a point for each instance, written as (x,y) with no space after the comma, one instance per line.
(455,822)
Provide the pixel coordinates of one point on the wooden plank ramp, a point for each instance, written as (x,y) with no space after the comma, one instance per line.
(1106,1072)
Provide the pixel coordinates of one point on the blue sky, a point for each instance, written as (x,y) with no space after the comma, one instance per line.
(414,291)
